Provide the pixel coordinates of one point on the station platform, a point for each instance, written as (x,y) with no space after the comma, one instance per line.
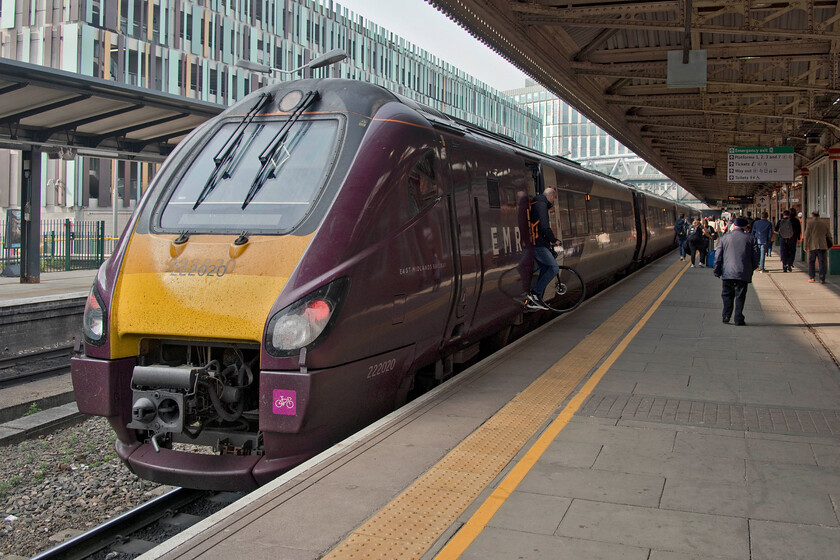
(53,286)
(639,426)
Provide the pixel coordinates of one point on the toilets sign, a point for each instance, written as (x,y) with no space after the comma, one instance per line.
(748,165)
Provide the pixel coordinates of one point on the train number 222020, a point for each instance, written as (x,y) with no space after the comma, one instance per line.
(381,367)
(199,267)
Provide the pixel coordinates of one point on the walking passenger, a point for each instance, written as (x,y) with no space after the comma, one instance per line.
(817,241)
(762,229)
(736,259)
(787,244)
(681,229)
(696,241)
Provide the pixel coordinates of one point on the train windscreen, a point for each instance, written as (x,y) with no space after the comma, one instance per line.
(266,183)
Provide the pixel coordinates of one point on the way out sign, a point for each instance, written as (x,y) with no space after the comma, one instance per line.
(749,165)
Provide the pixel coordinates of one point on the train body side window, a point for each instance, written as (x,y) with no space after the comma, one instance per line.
(627,213)
(607,214)
(595,221)
(561,208)
(493,197)
(660,217)
(422,185)
(618,214)
(577,213)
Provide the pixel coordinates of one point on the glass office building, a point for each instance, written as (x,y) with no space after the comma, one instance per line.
(190,48)
(568,133)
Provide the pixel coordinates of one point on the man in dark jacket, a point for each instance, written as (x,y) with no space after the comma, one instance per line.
(681,229)
(736,258)
(789,228)
(543,240)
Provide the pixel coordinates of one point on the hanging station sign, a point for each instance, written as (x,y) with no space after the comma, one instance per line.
(749,165)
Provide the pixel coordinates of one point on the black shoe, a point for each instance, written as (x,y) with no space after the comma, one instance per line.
(726,320)
(741,324)
(533,301)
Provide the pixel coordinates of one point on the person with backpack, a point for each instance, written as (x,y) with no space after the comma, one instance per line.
(543,241)
(709,239)
(681,229)
(696,242)
(787,243)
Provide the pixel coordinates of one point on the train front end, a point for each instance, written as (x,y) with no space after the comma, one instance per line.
(177,319)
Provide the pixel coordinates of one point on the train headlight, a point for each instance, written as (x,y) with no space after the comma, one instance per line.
(93,321)
(302,323)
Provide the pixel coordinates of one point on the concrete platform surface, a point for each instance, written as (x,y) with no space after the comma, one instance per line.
(53,285)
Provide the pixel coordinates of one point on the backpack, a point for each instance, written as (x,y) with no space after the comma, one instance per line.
(679,227)
(534,225)
(695,233)
(786,228)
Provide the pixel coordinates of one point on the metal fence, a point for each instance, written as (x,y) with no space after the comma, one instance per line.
(65,245)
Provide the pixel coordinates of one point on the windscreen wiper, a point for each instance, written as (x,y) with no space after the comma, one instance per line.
(275,154)
(225,157)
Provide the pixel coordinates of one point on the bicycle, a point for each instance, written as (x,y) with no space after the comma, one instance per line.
(566,291)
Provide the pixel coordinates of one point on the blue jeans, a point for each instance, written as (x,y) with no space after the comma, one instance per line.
(681,241)
(762,249)
(548,268)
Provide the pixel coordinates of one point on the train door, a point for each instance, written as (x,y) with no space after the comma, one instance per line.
(545,177)
(466,241)
(639,207)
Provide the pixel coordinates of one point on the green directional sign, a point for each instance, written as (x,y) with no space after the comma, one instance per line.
(760,164)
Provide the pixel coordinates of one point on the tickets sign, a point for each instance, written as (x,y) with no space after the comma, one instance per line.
(749,165)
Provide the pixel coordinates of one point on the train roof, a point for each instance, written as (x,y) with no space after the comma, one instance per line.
(367,98)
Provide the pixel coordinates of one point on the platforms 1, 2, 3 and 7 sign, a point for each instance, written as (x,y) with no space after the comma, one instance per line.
(747,165)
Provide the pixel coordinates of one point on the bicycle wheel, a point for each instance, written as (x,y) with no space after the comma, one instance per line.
(568,290)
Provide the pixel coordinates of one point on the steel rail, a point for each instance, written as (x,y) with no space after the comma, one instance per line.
(99,538)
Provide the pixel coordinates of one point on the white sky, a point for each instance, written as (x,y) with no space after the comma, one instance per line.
(422,25)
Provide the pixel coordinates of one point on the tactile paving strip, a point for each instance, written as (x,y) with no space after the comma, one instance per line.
(750,418)
(409,525)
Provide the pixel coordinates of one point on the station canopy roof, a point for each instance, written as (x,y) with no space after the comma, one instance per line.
(67,114)
(767,71)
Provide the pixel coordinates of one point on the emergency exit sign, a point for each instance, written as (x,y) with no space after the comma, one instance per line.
(748,165)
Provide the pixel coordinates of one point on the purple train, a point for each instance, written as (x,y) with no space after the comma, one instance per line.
(305,260)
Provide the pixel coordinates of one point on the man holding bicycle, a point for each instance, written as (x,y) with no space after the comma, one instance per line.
(543,240)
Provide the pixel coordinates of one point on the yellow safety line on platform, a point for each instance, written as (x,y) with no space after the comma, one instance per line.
(410,524)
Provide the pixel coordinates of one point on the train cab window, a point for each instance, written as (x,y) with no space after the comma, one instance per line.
(577,211)
(607,214)
(271,197)
(595,215)
(422,185)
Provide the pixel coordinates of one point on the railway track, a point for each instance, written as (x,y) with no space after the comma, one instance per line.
(142,528)
(35,365)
